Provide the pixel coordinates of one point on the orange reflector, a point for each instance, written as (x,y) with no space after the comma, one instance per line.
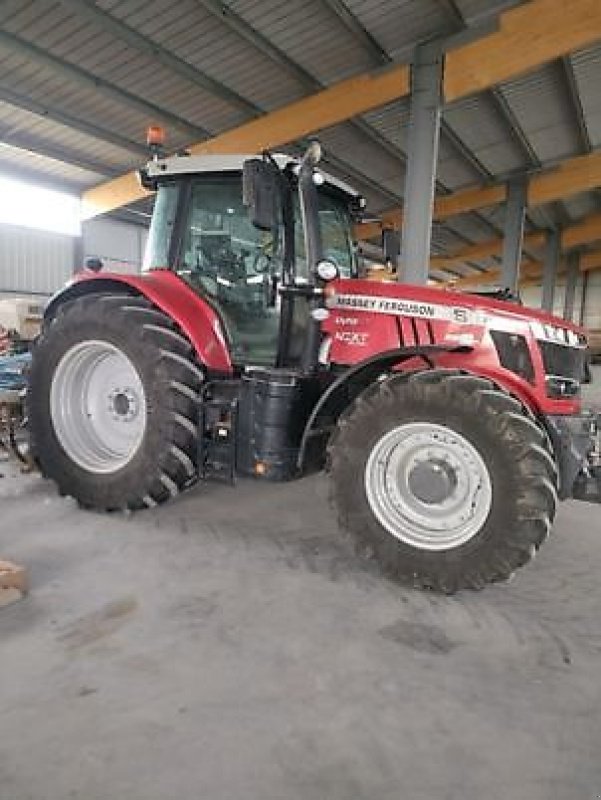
(155,135)
(260,468)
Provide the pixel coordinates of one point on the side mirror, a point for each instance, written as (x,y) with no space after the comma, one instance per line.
(357,208)
(260,193)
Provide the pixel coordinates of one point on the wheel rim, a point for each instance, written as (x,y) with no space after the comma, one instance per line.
(428,486)
(98,406)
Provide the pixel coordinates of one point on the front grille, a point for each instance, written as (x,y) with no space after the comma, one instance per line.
(563,361)
(514,354)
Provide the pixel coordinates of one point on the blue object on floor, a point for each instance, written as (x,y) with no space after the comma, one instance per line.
(13,371)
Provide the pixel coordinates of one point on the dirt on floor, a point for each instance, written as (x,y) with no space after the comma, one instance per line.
(229,646)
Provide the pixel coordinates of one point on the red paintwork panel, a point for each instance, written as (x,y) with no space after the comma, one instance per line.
(368,317)
(194,316)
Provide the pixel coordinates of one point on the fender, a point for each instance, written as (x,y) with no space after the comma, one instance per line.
(341,392)
(194,315)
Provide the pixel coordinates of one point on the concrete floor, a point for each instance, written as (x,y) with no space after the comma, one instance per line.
(228,646)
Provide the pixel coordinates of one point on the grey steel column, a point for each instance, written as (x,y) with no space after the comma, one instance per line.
(573,272)
(550,269)
(583,299)
(422,156)
(515,213)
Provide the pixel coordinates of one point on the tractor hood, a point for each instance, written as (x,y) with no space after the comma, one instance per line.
(426,303)
(535,356)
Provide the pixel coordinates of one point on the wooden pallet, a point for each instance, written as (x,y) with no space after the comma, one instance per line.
(13,583)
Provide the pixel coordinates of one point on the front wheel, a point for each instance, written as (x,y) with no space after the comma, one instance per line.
(446,480)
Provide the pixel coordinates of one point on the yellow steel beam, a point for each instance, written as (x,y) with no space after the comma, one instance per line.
(584,232)
(573,176)
(113,194)
(531,34)
(482,250)
(320,110)
(528,36)
(588,262)
(531,271)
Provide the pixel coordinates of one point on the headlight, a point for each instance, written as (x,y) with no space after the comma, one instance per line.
(327,270)
(557,335)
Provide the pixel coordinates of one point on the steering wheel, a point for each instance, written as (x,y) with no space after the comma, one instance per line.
(261,263)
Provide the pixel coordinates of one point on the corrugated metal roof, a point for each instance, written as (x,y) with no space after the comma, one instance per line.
(475,10)
(87,47)
(269,54)
(397,24)
(392,122)
(209,45)
(478,123)
(454,172)
(16,123)
(16,161)
(581,205)
(540,103)
(587,69)
(346,143)
(310,35)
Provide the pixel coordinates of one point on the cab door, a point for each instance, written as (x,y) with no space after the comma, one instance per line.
(235,266)
(338,246)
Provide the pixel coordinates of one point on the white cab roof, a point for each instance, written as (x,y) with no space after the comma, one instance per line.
(186,165)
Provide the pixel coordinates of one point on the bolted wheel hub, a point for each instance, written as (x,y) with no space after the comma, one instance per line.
(123,404)
(428,486)
(432,481)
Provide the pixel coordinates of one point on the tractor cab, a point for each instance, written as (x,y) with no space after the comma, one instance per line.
(245,260)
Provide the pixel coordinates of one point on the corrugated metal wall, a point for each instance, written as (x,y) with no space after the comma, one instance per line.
(39,262)
(119,246)
(33,261)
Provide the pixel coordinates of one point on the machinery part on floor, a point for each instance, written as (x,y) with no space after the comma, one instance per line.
(5,342)
(453,420)
(12,440)
(21,317)
(13,434)
(13,380)
(113,403)
(445,479)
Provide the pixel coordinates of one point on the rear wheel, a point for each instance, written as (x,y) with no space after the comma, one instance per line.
(112,408)
(445,479)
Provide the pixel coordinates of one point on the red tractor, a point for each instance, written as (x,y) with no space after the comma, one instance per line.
(449,424)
